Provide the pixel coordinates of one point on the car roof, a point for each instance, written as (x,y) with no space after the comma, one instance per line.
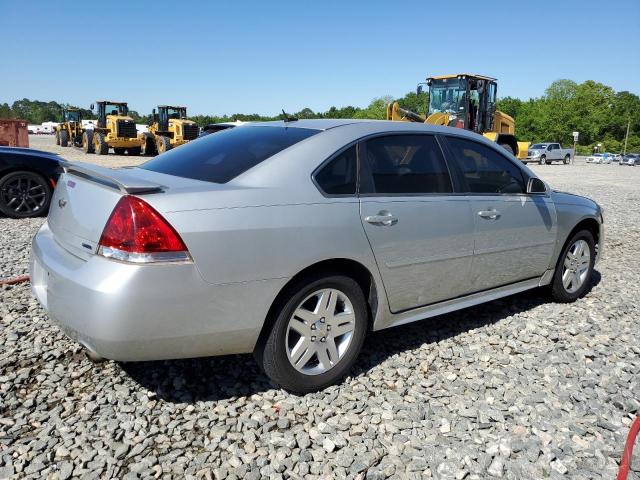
(27,151)
(368,126)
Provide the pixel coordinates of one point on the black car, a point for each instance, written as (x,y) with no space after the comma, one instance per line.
(27,180)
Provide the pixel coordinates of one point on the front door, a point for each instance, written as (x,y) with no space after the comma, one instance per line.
(421,234)
(515,232)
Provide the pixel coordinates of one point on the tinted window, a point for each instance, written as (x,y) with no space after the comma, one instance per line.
(221,157)
(338,177)
(407,164)
(484,169)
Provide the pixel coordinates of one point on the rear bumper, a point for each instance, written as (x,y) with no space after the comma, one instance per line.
(145,312)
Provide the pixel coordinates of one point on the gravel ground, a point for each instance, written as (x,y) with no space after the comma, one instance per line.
(518,388)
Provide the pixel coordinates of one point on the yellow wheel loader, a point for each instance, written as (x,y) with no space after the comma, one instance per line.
(70,129)
(465,101)
(114,129)
(169,128)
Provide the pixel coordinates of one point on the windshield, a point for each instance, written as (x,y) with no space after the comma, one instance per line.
(115,109)
(222,157)
(539,145)
(71,116)
(176,113)
(448,95)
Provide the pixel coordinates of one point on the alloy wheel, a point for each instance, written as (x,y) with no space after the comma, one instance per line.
(576,266)
(320,331)
(24,194)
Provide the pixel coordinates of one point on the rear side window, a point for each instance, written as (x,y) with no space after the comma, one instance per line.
(484,169)
(222,157)
(338,177)
(407,164)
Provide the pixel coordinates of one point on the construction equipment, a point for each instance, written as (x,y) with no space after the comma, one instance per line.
(465,101)
(114,129)
(169,128)
(70,128)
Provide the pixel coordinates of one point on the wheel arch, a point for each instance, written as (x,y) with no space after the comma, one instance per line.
(588,223)
(344,266)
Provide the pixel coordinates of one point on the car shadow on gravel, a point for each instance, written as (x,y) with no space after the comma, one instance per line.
(219,378)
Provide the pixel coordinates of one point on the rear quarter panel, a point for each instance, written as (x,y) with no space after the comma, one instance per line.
(245,244)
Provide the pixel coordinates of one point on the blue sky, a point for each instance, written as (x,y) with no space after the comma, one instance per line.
(246,57)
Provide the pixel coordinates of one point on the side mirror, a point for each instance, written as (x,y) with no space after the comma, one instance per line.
(535,185)
(549,148)
(92,107)
(419,90)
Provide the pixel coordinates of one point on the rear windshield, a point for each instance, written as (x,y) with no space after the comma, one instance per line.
(222,157)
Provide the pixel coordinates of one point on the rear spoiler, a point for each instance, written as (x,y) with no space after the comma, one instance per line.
(119,179)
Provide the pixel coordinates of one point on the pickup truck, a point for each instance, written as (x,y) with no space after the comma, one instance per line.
(546,153)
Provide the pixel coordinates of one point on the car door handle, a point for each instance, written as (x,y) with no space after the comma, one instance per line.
(492,214)
(384,219)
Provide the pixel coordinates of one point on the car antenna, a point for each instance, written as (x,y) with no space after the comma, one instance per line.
(288,118)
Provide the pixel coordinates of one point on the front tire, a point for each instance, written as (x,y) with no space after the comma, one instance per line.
(87,141)
(567,159)
(574,268)
(64,138)
(100,144)
(543,159)
(317,334)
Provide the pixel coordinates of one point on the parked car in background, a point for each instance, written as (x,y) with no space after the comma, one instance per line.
(292,240)
(632,159)
(595,158)
(27,180)
(547,153)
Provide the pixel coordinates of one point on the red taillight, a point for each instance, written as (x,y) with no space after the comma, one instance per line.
(136,232)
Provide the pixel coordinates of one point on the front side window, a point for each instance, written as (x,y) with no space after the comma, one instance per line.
(221,157)
(339,176)
(484,169)
(407,164)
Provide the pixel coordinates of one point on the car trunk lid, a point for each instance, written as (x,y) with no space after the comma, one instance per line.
(83,201)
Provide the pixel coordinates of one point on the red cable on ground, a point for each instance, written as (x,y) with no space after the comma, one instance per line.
(625,462)
(14,280)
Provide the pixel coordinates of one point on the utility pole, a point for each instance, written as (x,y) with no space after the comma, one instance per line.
(626,137)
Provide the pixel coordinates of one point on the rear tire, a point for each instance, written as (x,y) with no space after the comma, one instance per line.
(571,261)
(64,138)
(24,194)
(338,351)
(87,141)
(162,144)
(100,145)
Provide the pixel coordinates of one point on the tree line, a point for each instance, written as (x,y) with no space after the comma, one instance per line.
(598,112)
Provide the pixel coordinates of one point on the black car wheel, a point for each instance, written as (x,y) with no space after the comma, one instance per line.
(24,194)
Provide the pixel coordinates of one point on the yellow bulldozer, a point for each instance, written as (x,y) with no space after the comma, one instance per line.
(114,129)
(169,128)
(69,131)
(465,101)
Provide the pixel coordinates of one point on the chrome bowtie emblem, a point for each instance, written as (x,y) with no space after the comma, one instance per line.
(62,203)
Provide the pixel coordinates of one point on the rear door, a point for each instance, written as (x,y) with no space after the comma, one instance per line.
(420,232)
(515,233)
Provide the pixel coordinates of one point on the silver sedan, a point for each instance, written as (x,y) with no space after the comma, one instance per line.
(293,239)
